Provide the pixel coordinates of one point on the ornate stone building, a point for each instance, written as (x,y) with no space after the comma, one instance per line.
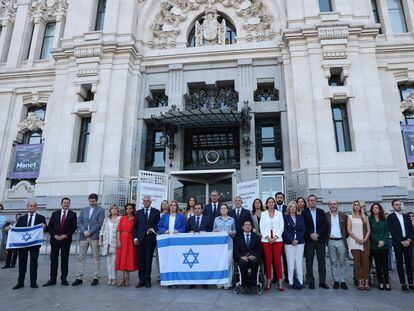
(303,95)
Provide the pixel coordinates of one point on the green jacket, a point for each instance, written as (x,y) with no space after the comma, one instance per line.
(379,232)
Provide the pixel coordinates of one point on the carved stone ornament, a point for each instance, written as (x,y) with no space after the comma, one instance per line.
(165,28)
(333,33)
(408,104)
(86,52)
(31,123)
(48,8)
(210,31)
(8,9)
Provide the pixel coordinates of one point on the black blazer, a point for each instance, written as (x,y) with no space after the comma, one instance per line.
(142,224)
(205,225)
(39,219)
(69,228)
(240,247)
(244,215)
(394,227)
(208,210)
(321,225)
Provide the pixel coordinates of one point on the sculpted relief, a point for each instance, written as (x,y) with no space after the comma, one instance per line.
(253,15)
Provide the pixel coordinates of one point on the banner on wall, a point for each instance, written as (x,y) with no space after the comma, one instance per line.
(26,161)
(408,138)
(153,184)
(248,190)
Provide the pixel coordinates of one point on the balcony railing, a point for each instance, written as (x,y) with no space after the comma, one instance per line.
(222,98)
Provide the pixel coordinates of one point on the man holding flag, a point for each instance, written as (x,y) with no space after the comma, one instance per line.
(27,236)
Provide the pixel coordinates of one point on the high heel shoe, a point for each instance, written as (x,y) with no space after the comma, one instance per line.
(360,285)
(387,287)
(367,287)
(281,288)
(268,285)
(126,282)
(381,286)
(121,283)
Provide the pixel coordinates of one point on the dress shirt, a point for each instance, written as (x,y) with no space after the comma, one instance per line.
(313,214)
(401,220)
(238,211)
(33,219)
(224,224)
(335,228)
(147,211)
(247,238)
(171,224)
(200,220)
(279,208)
(67,211)
(214,206)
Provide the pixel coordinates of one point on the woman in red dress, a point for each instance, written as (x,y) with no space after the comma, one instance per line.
(126,258)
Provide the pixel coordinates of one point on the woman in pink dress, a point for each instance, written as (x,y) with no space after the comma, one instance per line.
(126,258)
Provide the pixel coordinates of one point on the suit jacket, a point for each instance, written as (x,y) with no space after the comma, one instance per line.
(343,219)
(208,210)
(179,224)
(395,229)
(69,227)
(291,229)
(142,223)
(205,225)
(244,215)
(93,225)
(39,219)
(321,225)
(283,211)
(242,249)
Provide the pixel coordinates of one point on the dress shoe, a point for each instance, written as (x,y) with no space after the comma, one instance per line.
(323,285)
(77,282)
(64,282)
(148,285)
(344,286)
(49,283)
(17,286)
(95,282)
(139,285)
(411,286)
(404,288)
(336,285)
(34,285)
(311,286)
(6,267)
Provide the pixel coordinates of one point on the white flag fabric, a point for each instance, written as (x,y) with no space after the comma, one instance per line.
(19,237)
(200,258)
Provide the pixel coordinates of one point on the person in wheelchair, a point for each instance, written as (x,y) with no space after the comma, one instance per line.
(247,251)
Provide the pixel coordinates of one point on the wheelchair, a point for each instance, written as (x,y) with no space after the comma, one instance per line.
(237,278)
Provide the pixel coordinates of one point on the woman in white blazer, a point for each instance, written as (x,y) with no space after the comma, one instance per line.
(271,229)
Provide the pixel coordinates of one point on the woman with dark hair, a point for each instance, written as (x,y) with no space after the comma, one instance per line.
(257,209)
(189,210)
(126,259)
(164,207)
(301,202)
(379,244)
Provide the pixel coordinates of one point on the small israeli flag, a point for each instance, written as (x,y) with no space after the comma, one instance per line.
(189,258)
(19,237)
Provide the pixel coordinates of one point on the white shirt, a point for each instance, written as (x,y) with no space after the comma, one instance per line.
(110,228)
(171,224)
(401,220)
(335,228)
(33,219)
(91,209)
(61,214)
(313,214)
(275,224)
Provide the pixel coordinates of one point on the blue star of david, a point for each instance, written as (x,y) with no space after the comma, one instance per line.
(188,254)
(26,237)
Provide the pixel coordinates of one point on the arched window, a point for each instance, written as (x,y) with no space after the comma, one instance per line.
(230,31)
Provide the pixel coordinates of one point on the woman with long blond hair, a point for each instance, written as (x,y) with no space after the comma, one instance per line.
(358,243)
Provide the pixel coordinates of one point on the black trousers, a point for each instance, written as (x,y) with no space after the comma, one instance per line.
(310,248)
(244,268)
(381,265)
(403,255)
(145,254)
(64,248)
(34,255)
(11,257)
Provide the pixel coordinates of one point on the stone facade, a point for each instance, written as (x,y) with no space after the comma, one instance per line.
(143,46)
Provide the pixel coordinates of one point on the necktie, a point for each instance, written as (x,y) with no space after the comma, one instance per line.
(198,222)
(238,213)
(215,208)
(247,239)
(146,213)
(30,220)
(62,222)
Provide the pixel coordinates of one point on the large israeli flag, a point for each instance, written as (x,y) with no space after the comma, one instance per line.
(200,258)
(19,237)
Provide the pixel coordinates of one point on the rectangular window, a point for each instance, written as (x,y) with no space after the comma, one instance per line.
(325,5)
(268,143)
(100,15)
(375,13)
(341,126)
(397,17)
(48,41)
(155,150)
(85,131)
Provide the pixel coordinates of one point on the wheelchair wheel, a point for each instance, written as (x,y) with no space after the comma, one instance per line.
(259,290)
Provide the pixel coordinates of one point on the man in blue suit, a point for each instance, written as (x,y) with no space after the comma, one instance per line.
(240,214)
(199,222)
(315,240)
(213,208)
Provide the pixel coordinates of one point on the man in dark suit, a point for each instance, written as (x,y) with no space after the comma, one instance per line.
(199,222)
(146,220)
(315,240)
(213,208)
(240,214)
(29,220)
(281,207)
(247,251)
(280,202)
(62,225)
(402,234)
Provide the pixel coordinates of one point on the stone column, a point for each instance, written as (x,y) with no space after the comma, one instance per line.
(60,25)
(409,14)
(6,34)
(386,23)
(36,45)
(175,85)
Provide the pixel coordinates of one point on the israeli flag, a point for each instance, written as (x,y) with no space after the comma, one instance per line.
(200,258)
(19,237)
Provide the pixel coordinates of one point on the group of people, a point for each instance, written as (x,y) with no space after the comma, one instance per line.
(279,235)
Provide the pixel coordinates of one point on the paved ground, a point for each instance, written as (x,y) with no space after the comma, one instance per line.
(103,297)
